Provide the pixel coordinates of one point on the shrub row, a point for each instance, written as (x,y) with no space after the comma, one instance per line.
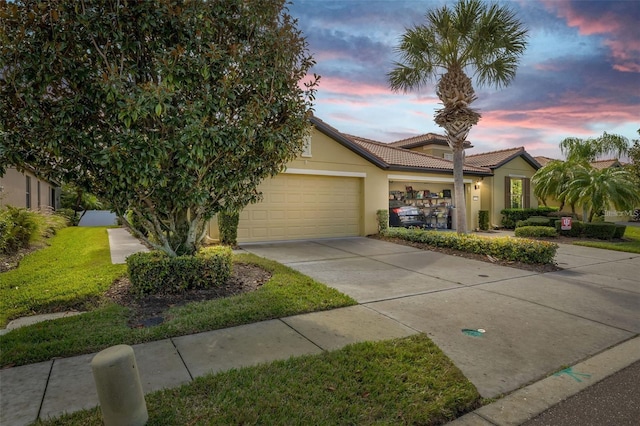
(536,221)
(599,230)
(156,273)
(511,216)
(536,231)
(505,248)
(20,227)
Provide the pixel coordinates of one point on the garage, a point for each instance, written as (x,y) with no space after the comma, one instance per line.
(301,206)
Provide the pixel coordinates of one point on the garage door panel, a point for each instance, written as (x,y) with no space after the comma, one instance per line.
(303,206)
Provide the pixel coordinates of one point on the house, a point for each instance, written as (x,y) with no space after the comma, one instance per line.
(339,182)
(28,189)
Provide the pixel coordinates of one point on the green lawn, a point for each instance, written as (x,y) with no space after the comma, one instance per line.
(288,292)
(403,381)
(632,234)
(73,272)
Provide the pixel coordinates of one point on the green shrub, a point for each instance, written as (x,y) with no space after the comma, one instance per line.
(536,221)
(599,230)
(20,227)
(620,230)
(483,220)
(511,249)
(383,219)
(575,231)
(69,215)
(228,228)
(511,216)
(536,231)
(155,272)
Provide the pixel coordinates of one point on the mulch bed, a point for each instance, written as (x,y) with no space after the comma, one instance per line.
(150,310)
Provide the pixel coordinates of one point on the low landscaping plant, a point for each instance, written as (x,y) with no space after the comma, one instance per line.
(536,232)
(383,219)
(505,248)
(20,228)
(483,220)
(156,272)
(228,227)
(404,381)
(511,216)
(619,232)
(536,221)
(598,230)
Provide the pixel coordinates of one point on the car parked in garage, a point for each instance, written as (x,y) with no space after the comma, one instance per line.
(401,215)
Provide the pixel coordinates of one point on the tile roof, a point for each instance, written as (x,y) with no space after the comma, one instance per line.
(426,139)
(496,159)
(544,160)
(400,157)
(605,164)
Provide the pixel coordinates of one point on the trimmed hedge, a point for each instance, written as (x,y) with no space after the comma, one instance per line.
(511,216)
(536,221)
(505,248)
(383,219)
(155,272)
(483,220)
(599,230)
(536,231)
(620,230)
(228,227)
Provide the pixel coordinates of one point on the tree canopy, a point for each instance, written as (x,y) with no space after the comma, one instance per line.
(174,110)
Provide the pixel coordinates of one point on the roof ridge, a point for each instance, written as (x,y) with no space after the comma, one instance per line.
(520,148)
(388,145)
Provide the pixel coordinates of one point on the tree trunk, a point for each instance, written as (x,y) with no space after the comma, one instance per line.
(458,187)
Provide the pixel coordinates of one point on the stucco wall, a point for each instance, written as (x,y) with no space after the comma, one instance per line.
(14,190)
(494,187)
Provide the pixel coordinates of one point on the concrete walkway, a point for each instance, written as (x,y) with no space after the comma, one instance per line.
(586,316)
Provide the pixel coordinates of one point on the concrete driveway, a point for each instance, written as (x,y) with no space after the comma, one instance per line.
(533,323)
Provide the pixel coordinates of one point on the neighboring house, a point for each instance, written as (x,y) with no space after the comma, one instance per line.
(29,190)
(336,186)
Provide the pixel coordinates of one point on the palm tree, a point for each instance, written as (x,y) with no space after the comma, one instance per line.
(552,180)
(486,40)
(576,149)
(596,190)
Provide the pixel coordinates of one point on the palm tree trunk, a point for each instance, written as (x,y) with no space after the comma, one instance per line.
(458,187)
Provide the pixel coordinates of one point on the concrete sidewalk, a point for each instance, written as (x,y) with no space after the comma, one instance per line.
(586,316)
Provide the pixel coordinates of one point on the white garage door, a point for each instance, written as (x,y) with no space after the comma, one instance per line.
(303,206)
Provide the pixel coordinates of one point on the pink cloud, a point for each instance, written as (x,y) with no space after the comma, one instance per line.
(619,30)
(345,87)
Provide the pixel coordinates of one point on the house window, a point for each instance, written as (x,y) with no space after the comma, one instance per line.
(517,192)
(38,193)
(306,147)
(28,192)
(448,156)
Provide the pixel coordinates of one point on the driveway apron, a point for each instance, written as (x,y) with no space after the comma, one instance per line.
(531,324)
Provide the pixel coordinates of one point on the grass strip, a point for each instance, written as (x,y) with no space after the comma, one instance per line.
(632,234)
(402,381)
(288,292)
(71,273)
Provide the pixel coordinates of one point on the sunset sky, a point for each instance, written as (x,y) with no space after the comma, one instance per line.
(580,75)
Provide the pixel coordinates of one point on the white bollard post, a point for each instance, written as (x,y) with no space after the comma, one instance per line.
(119,389)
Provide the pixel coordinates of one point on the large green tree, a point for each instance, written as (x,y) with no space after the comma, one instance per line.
(471,37)
(175,110)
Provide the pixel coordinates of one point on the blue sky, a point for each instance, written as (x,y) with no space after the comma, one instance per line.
(580,75)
